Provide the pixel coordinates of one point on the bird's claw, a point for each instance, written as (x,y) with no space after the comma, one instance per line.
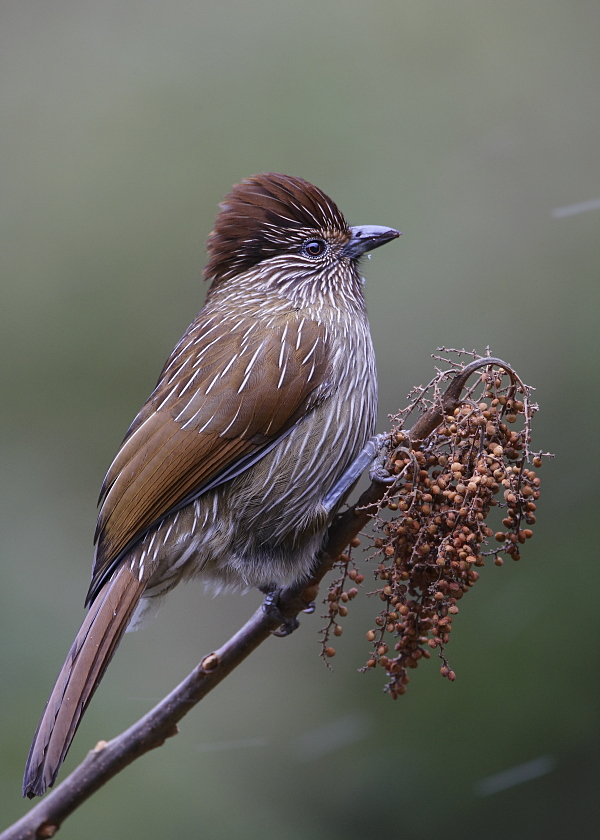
(378,471)
(272,610)
(286,628)
(379,474)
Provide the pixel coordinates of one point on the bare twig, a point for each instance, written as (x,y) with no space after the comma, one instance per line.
(109,758)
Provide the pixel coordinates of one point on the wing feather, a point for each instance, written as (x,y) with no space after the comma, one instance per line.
(214,408)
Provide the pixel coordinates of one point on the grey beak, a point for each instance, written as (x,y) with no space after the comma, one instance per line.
(367,237)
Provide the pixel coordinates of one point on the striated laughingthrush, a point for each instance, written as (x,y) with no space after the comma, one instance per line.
(237,462)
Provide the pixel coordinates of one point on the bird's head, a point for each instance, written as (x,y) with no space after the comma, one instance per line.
(288,227)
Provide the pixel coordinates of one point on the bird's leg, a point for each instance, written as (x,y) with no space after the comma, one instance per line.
(272,609)
(378,472)
(374,453)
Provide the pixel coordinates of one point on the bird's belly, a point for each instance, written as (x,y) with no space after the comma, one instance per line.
(267,525)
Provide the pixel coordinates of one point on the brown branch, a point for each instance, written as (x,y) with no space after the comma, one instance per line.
(109,758)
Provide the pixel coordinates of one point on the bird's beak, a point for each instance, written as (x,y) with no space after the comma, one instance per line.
(367,237)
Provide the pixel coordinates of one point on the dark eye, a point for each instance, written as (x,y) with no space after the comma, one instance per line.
(314,247)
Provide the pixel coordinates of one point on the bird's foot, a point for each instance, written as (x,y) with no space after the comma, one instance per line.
(271,607)
(378,471)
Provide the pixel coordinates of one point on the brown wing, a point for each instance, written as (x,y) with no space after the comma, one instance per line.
(229,391)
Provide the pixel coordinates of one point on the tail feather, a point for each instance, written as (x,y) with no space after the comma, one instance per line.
(79,677)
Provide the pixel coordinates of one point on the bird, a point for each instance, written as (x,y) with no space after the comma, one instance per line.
(250,442)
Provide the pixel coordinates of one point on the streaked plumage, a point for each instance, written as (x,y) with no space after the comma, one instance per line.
(263,404)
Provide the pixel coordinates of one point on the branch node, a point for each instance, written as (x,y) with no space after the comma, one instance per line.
(100,746)
(47,830)
(210,663)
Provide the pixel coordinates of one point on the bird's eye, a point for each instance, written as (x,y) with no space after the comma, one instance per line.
(314,247)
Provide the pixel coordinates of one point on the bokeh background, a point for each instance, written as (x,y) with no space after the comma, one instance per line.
(470,126)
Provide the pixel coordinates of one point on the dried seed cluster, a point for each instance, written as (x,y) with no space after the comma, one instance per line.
(341,591)
(429,549)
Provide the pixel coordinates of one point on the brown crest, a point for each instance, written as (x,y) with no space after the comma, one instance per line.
(259,217)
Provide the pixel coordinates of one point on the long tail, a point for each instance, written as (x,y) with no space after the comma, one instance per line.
(79,677)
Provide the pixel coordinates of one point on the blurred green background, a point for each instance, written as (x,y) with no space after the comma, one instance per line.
(467,125)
